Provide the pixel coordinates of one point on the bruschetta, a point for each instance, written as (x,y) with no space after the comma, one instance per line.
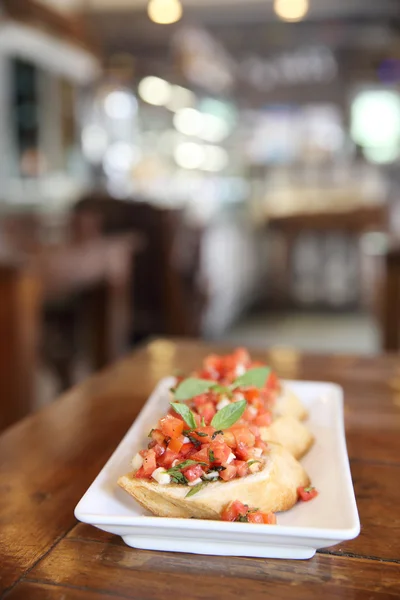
(272,488)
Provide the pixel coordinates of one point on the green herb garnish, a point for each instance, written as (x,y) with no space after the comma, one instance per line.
(177,476)
(185,413)
(201,434)
(251,462)
(253,377)
(151,432)
(203,422)
(211,456)
(196,489)
(242,519)
(192,387)
(214,435)
(188,463)
(226,417)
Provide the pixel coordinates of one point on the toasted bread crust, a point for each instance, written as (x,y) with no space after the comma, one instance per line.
(290,433)
(289,405)
(273,489)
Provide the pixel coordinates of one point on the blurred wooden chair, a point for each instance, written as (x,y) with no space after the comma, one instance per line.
(167,293)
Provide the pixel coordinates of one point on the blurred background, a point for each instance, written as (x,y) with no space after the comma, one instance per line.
(224,169)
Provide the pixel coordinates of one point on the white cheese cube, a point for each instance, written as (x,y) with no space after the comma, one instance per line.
(161,476)
(137,462)
(223,402)
(212,475)
(231,457)
(186,440)
(240,370)
(257,452)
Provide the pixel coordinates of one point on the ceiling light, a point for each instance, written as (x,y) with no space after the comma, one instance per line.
(215,158)
(120,105)
(164,12)
(291,10)
(154,90)
(189,155)
(181,98)
(188,121)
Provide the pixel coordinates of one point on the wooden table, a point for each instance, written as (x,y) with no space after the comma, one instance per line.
(48,460)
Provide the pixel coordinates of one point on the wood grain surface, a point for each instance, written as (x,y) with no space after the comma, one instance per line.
(48,460)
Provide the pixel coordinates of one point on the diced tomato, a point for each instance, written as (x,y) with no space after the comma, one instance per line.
(273,382)
(249,414)
(269,518)
(221,452)
(200,400)
(264,420)
(188,449)
(229,439)
(242,451)
(254,429)
(203,434)
(159,450)
(207,411)
(171,426)
(233,510)
(202,455)
(228,473)
(149,462)
(255,517)
(242,357)
(176,444)
(241,467)
(167,458)
(158,436)
(214,364)
(140,474)
(260,444)
(204,374)
(193,472)
(251,394)
(244,435)
(306,493)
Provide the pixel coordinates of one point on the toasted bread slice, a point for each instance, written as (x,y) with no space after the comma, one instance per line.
(290,433)
(272,489)
(289,405)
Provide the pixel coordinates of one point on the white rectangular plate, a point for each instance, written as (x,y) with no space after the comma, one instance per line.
(329,519)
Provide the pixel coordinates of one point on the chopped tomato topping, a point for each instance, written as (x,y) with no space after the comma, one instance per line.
(167,458)
(251,394)
(149,462)
(157,435)
(264,420)
(244,435)
(233,510)
(159,450)
(207,411)
(176,444)
(242,451)
(269,518)
(193,472)
(203,455)
(203,434)
(228,473)
(306,493)
(229,439)
(242,468)
(171,426)
(255,517)
(188,449)
(140,474)
(220,451)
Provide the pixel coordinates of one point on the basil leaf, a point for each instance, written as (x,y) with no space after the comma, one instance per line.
(201,434)
(218,469)
(211,456)
(191,387)
(253,377)
(251,462)
(203,422)
(196,489)
(177,477)
(221,389)
(194,441)
(185,413)
(226,417)
(214,435)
